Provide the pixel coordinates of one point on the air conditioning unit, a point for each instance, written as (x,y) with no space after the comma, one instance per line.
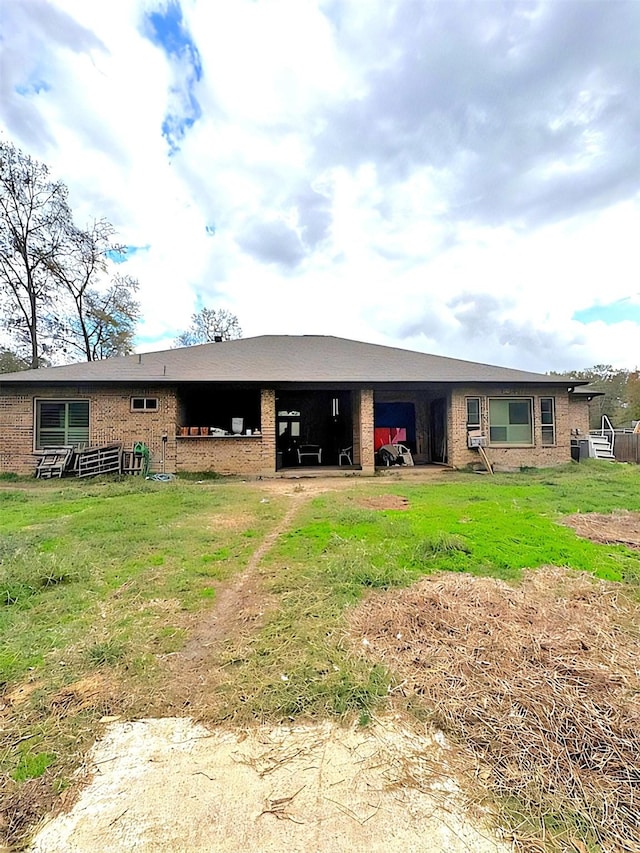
(477,440)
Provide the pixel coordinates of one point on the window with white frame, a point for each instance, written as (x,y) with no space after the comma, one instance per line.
(548,419)
(144,404)
(510,420)
(61,422)
(473,413)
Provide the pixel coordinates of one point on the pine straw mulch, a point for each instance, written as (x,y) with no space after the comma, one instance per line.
(540,682)
(619,527)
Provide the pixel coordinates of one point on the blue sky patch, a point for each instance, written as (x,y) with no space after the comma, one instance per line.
(129,252)
(613,312)
(176,125)
(168,31)
(33,87)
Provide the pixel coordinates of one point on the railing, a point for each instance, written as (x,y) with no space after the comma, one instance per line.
(625,442)
(606,430)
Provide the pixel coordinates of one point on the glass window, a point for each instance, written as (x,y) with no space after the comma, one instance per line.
(61,422)
(548,419)
(144,404)
(473,412)
(510,421)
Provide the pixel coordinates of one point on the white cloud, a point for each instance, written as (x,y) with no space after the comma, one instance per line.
(457,183)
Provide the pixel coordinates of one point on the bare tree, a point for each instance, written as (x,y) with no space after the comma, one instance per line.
(208,325)
(104,323)
(35,219)
(111,317)
(55,290)
(103,319)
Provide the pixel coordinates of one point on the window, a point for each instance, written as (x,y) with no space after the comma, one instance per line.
(510,421)
(473,413)
(144,404)
(548,419)
(61,422)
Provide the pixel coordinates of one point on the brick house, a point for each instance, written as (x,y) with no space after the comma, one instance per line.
(248,406)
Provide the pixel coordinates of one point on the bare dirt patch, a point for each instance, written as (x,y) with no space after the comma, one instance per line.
(622,528)
(540,682)
(92,692)
(383,502)
(17,696)
(318,484)
(170,785)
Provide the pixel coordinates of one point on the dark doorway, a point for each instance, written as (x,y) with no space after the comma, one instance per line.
(312,419)
(438,432)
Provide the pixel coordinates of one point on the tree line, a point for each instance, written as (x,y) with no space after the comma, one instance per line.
(618,397)
(61,296)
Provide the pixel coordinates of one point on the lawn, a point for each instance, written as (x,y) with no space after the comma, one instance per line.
(102,582)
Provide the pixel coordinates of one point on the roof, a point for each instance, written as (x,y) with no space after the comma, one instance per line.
(282,358)
(588,391)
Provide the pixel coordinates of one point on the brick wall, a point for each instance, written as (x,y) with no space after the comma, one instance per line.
(268,426)
(110,419)
(16,431)
(242,454)
(366,424)
(512,458)
(579,414)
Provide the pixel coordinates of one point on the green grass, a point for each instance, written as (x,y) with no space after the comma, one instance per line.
(100,578)
(75,559)
(32,765)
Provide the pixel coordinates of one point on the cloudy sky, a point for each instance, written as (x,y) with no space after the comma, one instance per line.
(461,178)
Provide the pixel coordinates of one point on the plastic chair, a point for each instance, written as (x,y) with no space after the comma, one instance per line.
(345,454)
(405,454)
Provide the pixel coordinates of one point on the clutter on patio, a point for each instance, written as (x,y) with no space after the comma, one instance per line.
(394,454)
(93,460)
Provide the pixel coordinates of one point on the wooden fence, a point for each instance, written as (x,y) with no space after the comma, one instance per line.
(627,447)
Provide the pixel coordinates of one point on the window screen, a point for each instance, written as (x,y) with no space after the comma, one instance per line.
(473,412)
(61,422)
(548,420)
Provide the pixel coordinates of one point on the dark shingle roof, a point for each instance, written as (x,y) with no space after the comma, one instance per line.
(281,358)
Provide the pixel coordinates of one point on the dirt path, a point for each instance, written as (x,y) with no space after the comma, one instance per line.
(239,603)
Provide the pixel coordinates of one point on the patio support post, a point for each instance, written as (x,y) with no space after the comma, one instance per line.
(366,425)
(268,428)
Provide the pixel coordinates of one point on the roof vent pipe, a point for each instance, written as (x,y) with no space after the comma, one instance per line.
(217,338)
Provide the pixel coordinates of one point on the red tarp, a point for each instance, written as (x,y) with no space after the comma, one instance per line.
(388,435)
